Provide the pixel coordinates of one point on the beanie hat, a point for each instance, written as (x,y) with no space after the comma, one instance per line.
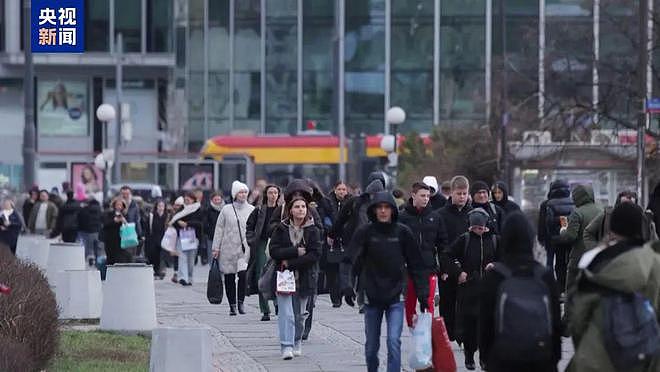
(431,182)
(626,220)
(237,187)
(179,201)
(478,186)
(478,217)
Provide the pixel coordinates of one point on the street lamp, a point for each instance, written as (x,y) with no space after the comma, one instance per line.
(106,113)
(394,117)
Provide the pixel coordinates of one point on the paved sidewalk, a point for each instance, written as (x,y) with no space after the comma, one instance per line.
(244,343)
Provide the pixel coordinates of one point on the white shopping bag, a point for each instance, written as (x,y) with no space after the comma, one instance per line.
(286,282)
(168,242)
(422,348)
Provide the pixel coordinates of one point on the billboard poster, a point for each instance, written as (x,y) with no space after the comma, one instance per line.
(193,176)
(62,108)
(87,181)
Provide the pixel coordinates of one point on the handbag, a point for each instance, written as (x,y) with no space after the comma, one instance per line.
(168,242)
(214,284)
(286,282)
(335,254)
(188,238)
(128,235)
(266,282)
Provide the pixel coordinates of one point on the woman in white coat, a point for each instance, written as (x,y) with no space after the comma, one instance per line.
(230,245)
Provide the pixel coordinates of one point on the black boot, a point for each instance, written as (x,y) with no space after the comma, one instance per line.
(232,310)
(469,361)
(241,310)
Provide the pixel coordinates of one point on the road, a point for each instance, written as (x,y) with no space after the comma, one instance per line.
(244,343)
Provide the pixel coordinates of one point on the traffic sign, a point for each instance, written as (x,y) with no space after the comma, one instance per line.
(653,106)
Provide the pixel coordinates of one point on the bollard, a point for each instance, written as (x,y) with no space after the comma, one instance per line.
(64,256)
(33,248)
(129,300)
(181,349)
(78,294)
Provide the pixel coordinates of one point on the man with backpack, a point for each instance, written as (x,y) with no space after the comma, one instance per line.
(614,318)
(519,315)
(558,206)
(473,253)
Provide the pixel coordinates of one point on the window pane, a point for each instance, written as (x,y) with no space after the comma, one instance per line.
(281,67)
(247,67)
(128,20)
(412,62)
(97,26)
(364,53)
(462,60)
(218,95)
(318,26)
(159,21)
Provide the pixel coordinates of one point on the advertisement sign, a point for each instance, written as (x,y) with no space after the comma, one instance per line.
(87,181)
(193,176)
(57,26)
(62,108)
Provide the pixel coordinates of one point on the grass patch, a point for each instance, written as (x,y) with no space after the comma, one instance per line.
(101,351)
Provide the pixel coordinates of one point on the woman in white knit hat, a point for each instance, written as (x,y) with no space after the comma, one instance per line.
(230,245)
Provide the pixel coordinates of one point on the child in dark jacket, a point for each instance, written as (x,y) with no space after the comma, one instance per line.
(473,253)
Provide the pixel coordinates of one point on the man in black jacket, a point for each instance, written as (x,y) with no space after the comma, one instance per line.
(437,200)
(430,236)
(67,220)
(455,218)
(89,225)
(384,251)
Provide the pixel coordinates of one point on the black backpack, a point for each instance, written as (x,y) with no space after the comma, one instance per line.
(554,209)
(523,318)
(630,330)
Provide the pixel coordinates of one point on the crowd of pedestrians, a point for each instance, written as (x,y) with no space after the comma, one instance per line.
(388,253)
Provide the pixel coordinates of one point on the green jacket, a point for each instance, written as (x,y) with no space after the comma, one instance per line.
(51,216)
(585,211)
(637,270)
(598,230)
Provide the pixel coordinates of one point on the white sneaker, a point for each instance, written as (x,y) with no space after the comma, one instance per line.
(287,353)
(297,350)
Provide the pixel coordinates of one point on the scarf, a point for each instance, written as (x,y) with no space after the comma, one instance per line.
(217,207)
(187,210)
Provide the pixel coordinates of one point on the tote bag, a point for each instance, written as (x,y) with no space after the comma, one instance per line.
(128,235)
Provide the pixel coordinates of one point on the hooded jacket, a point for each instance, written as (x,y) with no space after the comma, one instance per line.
(507,205)
(281,248)
(354,212)
(257,223)
(302,187)
(627,269)
(559,199)
(429,231)
(586,210)
(67,221)
(516,252)
(384,255)
(89,217)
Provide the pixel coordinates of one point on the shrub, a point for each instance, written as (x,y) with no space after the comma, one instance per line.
(29,315)
(15,356)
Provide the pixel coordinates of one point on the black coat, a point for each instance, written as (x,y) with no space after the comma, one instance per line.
(281,248)
(507,205)
(193,220)
(210,220)
(112,240)
(385,255)
(429,232)
(257,225)
(156,226)
(488,298)
(560,195)
(437,201)
(67,221)
(9,234)
(90,218)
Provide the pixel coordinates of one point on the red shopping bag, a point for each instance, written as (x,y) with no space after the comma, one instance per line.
(443,356)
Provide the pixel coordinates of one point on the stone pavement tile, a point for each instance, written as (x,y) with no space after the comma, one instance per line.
(244,343)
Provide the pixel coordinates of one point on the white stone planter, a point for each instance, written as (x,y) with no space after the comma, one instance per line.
(181,349)
(129,301)
(33,248)
(78,294)
(64,256)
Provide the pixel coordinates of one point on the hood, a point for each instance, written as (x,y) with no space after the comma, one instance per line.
(628,272)
(264,195)
(382,197)
(374,187)
(298,185)
(377,176)
(559,189)
(517,236)
(583,194)
(502,186)
(431,182)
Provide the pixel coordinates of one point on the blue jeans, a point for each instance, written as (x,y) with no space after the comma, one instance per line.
(373,317)
(291,318)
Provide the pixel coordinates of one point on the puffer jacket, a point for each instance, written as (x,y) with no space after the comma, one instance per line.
(622,268)
(281,248)
(585,212)
(429,232)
